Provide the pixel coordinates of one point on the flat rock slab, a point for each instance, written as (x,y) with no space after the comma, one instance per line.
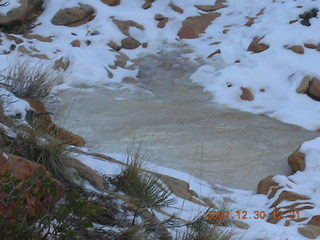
(181,126)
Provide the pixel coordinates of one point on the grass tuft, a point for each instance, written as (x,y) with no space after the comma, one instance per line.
(29,81)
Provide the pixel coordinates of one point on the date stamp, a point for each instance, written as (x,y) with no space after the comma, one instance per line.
(244,215)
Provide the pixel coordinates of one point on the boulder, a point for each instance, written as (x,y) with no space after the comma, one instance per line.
(295,48)
(257,47)
(111,2)
(311,45)
(124,26)
(147,4)
(33,200)
(266,184)
(75,43)
(193,26)
(315,220)
(304,85)
(130,43)
(314,89)
(175,8)
(309,231)
(297,161)
(246,94)
(209,8)
(162,20)
(73,17)
(28,10)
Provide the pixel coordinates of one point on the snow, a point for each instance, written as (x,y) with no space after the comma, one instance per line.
(278,71)
(12,105)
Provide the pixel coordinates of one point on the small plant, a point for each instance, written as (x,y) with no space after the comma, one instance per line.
(29,81)
(200,228)
(144,188)
(69,220)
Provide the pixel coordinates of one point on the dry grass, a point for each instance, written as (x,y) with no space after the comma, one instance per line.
(29,81)
(144,188)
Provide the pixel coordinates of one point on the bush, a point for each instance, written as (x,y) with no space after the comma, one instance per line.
(29,81)
(68,220)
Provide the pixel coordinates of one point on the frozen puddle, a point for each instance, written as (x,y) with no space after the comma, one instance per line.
(180,125)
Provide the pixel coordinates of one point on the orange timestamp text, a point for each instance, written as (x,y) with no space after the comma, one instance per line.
(243,215)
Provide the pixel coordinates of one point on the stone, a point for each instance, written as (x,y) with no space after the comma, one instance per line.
(314,89)
(297,161)
(293,21)
(304,85)
(289,196)
(13,38)
(114,46)
(246,94)
(295,48)
(214,53)
(27,10)
(311,45)
(75,43)
(250,21)
(111,2)
(144,45)
(193,26)
(315,220)
(257,47)
(287,211)
(37,203)
(73,17)
(38,37)
(309,231)
(121,60)
(124,26)
(209,8)
(130,43)
(61,63)
(175,8)
(147,4)
(266,184)
(162,23)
